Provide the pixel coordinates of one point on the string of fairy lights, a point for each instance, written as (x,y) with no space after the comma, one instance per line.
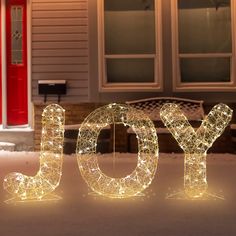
(195,143)
(51,158)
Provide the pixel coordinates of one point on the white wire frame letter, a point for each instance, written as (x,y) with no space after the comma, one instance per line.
(142,176)
(48,177)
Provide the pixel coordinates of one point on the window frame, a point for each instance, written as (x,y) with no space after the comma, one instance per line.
(15,61)
(179,86)
(104,85)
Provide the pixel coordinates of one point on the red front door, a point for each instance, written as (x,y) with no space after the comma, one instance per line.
(0,69)
(16,45)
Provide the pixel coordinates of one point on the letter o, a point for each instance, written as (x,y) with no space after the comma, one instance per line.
(145,170)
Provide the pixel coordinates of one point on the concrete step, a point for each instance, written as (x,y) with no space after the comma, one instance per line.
(21,138)
(6,146)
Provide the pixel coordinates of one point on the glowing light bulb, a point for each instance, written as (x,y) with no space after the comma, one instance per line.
(195,144)
(142,176)
(51,159)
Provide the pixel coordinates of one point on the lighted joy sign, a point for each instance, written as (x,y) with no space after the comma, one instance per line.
(194,143)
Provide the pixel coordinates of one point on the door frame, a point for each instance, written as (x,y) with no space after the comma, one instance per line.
(4,66)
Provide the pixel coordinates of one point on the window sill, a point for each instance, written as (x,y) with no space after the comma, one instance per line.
(127,87)
(204,87)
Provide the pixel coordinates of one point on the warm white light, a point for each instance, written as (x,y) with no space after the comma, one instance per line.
(144,173)
(195,144)
(51,159)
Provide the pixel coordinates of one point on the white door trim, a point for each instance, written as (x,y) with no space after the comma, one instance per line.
(4,65)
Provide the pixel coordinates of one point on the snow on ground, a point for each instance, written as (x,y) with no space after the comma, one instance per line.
(80,213)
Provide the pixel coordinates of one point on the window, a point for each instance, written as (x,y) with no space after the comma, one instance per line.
(202,40)
(16,34)
(129,45)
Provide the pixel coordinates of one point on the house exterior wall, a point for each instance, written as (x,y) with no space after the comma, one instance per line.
(208,97)
(60,47)
(65,46)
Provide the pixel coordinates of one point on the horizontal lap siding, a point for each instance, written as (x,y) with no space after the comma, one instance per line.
(60,47)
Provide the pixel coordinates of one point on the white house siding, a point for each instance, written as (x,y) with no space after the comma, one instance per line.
(60,47)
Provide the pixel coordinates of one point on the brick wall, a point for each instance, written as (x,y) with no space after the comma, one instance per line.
(76,113)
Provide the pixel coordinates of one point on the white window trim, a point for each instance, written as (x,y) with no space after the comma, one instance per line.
(179,86)
(104,86)
(4,72)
